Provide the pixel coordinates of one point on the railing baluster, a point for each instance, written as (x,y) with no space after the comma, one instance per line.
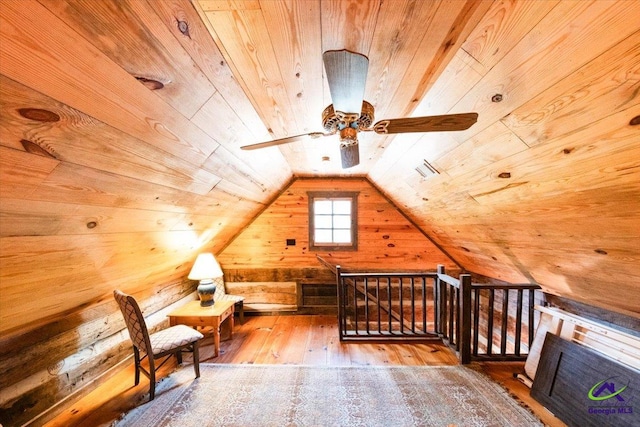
(505,321)
(378,298)
(531,326)
(451,317)
(401,306)
(389,307)
(490,322)
(476,320)
(413,304)
(355,305)
(518,323)
(457,318)
(424,304)
(366,303)
(345,300)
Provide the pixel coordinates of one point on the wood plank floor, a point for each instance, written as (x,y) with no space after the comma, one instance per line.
(308,340)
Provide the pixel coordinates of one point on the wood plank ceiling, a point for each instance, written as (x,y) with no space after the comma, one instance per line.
(121,125)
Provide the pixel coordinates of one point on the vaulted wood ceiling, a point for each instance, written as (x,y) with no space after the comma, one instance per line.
(122,121)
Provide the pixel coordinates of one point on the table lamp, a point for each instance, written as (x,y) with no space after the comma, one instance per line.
(205,269)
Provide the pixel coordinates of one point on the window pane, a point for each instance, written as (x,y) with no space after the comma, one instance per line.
(342,221)
(322,206)
(322,236)
(342,206)
(333,220)
(342,236)
(322,221)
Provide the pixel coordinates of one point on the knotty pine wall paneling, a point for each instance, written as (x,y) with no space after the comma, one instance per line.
(387,241)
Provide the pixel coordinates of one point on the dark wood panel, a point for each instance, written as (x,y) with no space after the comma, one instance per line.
(585,388)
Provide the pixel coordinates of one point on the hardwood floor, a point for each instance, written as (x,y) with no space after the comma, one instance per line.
(308,340)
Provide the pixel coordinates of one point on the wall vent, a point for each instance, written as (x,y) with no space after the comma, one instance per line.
(427,170)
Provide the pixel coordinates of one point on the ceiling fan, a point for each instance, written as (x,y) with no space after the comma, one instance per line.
(350,113)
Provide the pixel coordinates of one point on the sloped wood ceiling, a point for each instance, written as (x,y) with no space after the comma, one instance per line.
(121,125)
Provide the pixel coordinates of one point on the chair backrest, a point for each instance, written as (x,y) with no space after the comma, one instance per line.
(135,321)
(220,290)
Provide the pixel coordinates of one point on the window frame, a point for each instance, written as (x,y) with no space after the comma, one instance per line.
(352,196)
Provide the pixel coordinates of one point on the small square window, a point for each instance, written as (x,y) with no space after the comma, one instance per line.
(333,220)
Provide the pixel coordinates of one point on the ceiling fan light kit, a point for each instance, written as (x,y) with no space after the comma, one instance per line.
(349,114)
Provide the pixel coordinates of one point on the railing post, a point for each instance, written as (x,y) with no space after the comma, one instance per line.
(341,304)
(464,319)
(439,298)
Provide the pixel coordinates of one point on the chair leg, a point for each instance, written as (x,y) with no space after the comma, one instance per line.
(196,359)
(179,356)
(152,378)
(240,305)
(136,357)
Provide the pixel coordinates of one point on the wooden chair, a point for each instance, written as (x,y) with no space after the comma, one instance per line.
(222,295)
(164,343)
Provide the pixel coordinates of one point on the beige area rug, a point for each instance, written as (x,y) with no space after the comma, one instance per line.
(291,395)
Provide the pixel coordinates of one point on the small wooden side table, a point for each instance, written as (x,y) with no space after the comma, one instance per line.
(193,314)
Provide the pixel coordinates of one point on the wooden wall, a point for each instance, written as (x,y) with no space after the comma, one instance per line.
(63,359)
(386,238)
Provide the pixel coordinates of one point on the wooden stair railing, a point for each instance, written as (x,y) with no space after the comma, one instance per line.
(477,321)
(382,298)
(462,318)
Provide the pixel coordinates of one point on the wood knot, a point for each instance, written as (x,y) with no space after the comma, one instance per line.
(39,115)
(33,148)
(568,150)
(92,224)
(496,98)
(465,249)
(150,83)
(183,27)
(635,121)
(600,251)
(504,175)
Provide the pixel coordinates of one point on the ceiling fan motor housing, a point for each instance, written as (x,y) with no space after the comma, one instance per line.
(333,122)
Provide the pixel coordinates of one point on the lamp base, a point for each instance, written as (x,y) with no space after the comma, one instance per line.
(206,290)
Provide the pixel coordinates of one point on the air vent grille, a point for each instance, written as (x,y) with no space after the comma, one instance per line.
(427,170)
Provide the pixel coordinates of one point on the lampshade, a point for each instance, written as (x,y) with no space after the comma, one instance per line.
(205,267)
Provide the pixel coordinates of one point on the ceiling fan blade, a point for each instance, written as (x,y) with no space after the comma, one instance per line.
(350,155)
(303,137)
(347,77)
(444,123)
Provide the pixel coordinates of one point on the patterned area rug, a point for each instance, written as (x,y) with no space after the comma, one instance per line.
(291,395)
